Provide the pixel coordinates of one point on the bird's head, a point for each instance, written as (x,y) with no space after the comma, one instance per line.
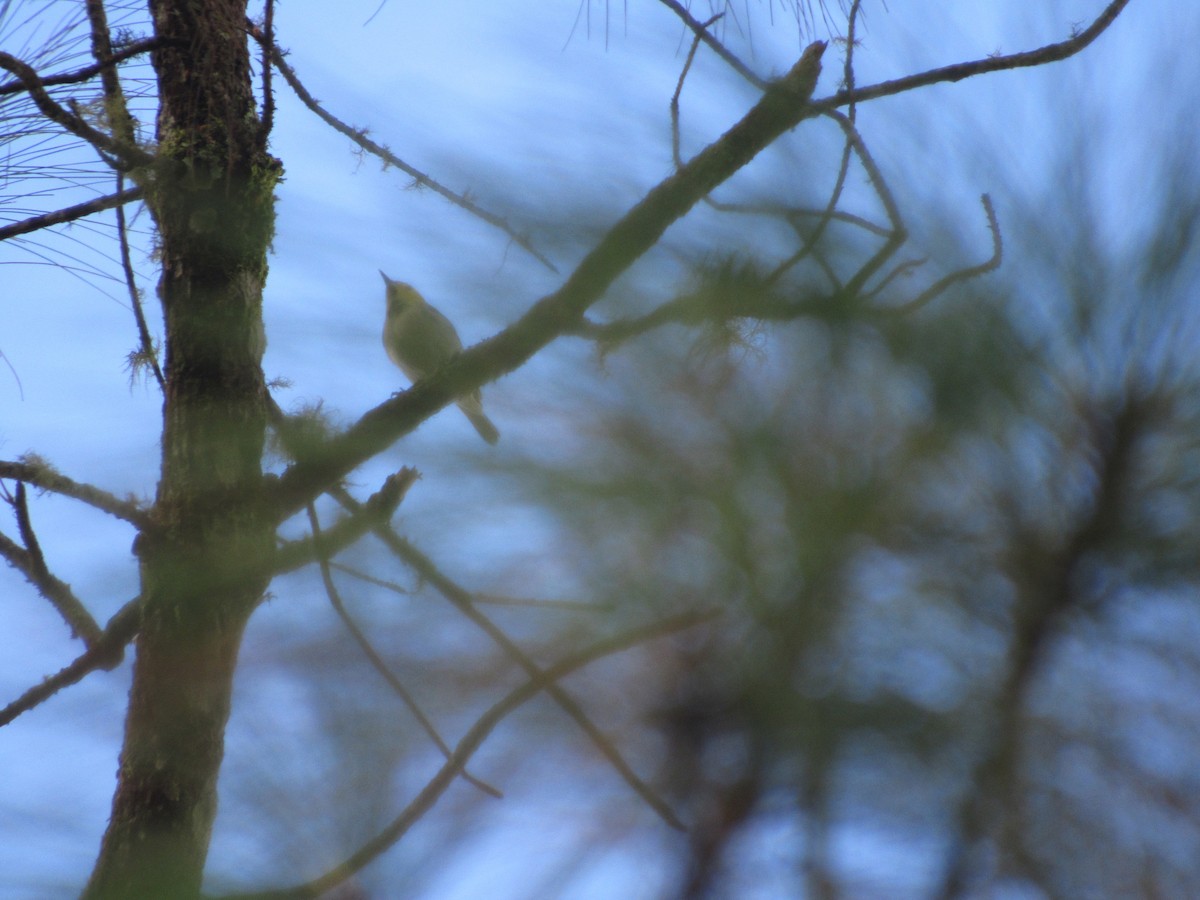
(400,295)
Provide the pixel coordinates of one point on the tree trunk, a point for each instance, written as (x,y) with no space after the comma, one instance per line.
(206,563)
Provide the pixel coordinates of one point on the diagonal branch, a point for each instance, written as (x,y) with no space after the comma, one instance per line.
(359,136)
(377,662)
(784,105)
(70,213)
(87,72)
(41,474)
(129,155)
(958,71)
(946,281)
(471,742)
(461,600)
(374,514)
(31,563)
(700,29)
(106,653)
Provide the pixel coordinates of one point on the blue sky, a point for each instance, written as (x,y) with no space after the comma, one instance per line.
(560,130)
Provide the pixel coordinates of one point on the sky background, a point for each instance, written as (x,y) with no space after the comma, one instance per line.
(554,116)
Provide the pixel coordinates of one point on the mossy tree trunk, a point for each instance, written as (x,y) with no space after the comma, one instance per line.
(204,566)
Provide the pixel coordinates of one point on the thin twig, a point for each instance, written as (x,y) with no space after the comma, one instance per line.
(898,234)
(377,661)
(700,29)
(16,377)
(359,136)
(461,600)
(785,211)
(906,267)
(471,742)
(481,598)
(783,106)
(70,213)
(939,286)
(135,296)
(36,472)
(375,513)
(958,71)
(32,564)
(674,106)
(107,653)
(87,72)
(127,156)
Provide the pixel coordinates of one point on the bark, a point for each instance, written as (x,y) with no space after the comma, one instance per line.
(210,191)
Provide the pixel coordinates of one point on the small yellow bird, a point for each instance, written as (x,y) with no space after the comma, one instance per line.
(420,340)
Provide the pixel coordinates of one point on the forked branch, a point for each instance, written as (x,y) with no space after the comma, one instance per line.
(106,653)
(958,71)
(40,474)
(376,660)
(471,741)
(461,600)
(123,155)
(784,105)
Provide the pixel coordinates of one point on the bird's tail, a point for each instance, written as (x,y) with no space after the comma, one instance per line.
(473,409)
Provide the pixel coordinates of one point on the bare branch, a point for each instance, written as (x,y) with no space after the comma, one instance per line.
(116,111)
(70,213)
(87,72)
(377,662)
(959,71)
(106,653)
(780,109)
(129,155)
(471,742)
(940,286)
(700,29)
(374,514)
(32,564)
(146,354)
(359,136)
(39,473)
(462,601)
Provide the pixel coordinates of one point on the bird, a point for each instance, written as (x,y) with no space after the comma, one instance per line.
(420,340)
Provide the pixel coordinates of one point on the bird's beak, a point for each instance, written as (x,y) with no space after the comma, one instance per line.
(386,280)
